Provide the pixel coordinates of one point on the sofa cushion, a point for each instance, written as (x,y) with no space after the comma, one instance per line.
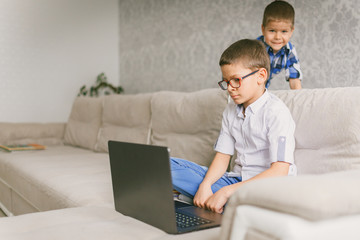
(84,122)
(327,128)
(188,123)
(125,118)
(58,177)
(90,223)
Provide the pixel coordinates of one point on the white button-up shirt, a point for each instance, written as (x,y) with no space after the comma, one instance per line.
(265,134)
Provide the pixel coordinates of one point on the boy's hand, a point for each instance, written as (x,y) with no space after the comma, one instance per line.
(218,200)
(295,83)
(202,195)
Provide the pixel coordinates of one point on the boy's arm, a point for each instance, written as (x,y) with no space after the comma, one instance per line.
(217,201)
(295,83)
(281,149)
(293,70)
(217,168)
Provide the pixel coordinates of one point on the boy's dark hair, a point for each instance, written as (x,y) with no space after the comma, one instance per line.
(251,53)
(279,10)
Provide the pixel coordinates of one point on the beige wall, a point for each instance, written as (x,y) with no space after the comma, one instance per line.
(49,49)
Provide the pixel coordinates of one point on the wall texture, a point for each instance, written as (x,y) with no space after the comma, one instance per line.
(176,44)
(49,49)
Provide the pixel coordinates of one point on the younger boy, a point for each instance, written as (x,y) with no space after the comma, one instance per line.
(256,124)
(277,28)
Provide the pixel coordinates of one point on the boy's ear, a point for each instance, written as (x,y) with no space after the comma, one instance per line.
(292,29)
(262,29)
(262,76)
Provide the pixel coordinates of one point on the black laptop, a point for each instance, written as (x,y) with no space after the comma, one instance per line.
(142,188)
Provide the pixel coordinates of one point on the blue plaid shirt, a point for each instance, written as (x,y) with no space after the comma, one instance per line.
(285,58)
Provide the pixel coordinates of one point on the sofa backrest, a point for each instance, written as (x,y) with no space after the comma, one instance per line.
(327,128)
(94,121)
(125,118)
(327,124)
(188,123)
(84,122)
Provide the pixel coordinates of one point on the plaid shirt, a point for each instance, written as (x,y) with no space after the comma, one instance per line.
(285,58)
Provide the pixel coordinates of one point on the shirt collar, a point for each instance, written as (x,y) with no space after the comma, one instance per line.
(255,106)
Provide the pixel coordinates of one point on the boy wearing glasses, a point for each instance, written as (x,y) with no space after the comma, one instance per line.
(256,124)
(277,28)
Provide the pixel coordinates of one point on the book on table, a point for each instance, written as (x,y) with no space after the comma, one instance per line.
(22,147)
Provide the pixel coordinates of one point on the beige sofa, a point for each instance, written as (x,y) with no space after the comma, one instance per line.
(74,169)
(72,176)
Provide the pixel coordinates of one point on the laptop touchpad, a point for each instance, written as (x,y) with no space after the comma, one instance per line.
(200,212)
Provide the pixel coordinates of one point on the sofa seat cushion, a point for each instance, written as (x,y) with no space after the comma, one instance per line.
(91,223)
(125,118)
(84,122)
(327,128)
(188,123)
(58,177)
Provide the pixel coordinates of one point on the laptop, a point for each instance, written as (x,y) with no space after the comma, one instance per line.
(142,188)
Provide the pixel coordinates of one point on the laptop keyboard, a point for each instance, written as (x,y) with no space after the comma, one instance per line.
(185,221)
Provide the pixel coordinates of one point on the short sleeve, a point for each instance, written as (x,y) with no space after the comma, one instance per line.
(281,136)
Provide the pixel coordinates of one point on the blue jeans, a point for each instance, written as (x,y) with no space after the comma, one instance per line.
(187,176)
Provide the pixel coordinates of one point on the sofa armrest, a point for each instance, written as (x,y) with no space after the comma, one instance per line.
(24,133)
(311,197)
(258,223)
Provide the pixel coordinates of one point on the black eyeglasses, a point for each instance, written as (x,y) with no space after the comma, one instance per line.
(235,82)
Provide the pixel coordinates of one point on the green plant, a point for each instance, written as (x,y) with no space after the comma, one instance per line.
(101,85)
